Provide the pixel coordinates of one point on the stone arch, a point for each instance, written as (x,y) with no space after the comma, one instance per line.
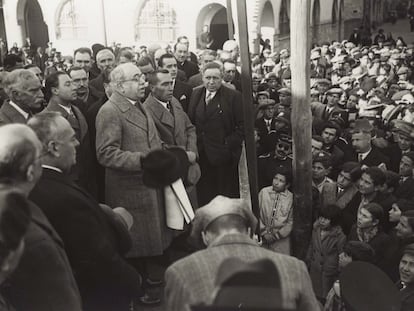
(215,16)
(267,24)
(30,18)
(77,28)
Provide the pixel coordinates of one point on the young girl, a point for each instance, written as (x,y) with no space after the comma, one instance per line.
(327,243)
(276,216)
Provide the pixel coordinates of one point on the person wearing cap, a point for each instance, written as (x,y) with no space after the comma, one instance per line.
(266,123)
(330,132)
(406,283)
(323,112)
(321,165)
(285,97)
(95,241)
(279,157)
(402,131)
(274,84)
(364,151)
(224,226)
(406,187)
(346,184)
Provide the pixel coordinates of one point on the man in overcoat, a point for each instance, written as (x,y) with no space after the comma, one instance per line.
(216,111)
(125,134)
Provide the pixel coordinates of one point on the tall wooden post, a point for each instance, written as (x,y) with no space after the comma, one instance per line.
(301,126)
(230,20)
(104,22)
(247,91)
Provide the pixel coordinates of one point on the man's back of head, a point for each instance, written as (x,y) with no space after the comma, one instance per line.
(20,150)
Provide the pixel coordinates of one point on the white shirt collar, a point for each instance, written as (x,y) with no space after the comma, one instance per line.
(52,168)
(19,110)
(164,104)
(68,109)
(365,154)
(131,101)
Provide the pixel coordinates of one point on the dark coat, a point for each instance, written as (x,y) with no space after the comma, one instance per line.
(93,240)
(43,280)
(407,298)
(261,127)
(406,189)
(219,126)
(196,80)
(83,172)
(374,158)
(125,134)
(97,83)
(323,258)
(189,68)
(182,92)
(10,115)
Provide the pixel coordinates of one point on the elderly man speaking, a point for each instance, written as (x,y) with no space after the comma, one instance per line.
(125,134)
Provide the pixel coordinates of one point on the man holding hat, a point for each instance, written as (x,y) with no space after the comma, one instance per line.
(224,226)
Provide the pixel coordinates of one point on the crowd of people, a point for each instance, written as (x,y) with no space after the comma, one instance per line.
(91,143)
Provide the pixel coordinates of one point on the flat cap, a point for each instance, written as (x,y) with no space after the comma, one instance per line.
(403,128)
(285,91)
(218,207)
(334,90)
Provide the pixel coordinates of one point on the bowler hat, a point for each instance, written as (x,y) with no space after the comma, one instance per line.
(218,207)
(366,287)
(163,167)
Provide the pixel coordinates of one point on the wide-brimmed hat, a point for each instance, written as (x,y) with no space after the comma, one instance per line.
(163,167)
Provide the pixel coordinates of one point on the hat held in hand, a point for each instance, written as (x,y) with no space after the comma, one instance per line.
(162,167)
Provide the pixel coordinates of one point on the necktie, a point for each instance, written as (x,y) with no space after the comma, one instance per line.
(209,98)
(360,157)
(169,107)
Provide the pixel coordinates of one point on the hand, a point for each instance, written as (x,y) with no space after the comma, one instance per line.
(191,157)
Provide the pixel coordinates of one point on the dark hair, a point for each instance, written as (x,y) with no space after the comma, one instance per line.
(392,179)
(352,168)
(164,56)
(76,68)
(52,81)
(332,212)
(377,175)
(175,45)
(83,50)
(10,62)
(284,171)
(144,61)
(125,52)
(359,251)
(331,125)
(211,65)
(375,210)
(152,77)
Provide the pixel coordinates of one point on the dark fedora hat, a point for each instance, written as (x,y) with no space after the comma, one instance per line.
(162,167)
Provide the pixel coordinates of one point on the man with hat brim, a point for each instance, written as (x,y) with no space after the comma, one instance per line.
(224,226)
(280,146)
(365,287)
(332,108)
(406,285)
(402,132)
(364,151)
(265,123)
(285,97)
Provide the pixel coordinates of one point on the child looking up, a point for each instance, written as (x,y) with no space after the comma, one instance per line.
(276,215)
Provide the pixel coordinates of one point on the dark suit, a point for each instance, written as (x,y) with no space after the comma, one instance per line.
(219,137)
(83,172)
(260,125)
(196,80)
(97,83)
(182,92)
(93,242)
(406,189)
(43,280)
(374,158)
(189,68)
(8,114)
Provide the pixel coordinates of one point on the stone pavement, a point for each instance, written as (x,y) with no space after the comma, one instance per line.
(400,29)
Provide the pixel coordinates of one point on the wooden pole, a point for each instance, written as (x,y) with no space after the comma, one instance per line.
(301,126)
(104,22)
(247,91)
(230,20)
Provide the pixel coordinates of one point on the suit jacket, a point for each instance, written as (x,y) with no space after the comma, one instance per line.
(125,134)
(406,189)
(83,172)
(407,298)
(93,241)
(43,280)
(196,80)
(374,158)
(260,125)
(97,83)
(320,113)
(182,92)
(219,125)
(189,68)
(8,114)
(190,280)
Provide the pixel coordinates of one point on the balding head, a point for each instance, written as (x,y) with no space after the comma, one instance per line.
(105,59)
(128,81)
(24,89)
(20,150)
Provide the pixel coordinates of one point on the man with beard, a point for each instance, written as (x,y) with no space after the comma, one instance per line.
(85,96)
(25,97)
(62,93)
(279,158)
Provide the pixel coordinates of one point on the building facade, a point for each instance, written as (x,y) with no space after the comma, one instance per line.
(73,23)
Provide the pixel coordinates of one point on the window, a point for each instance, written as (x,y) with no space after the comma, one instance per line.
(157,22)
(284,27)
(72,21)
